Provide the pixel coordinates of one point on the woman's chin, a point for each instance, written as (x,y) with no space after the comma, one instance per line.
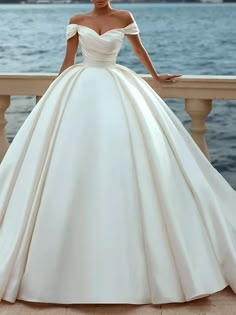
(100,5)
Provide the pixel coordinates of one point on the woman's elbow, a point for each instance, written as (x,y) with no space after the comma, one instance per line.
(69,59)
(139,51)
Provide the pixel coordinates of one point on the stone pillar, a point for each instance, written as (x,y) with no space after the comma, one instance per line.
(4,144)
(198,110)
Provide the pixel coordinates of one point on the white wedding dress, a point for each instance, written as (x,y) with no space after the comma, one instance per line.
(105,197)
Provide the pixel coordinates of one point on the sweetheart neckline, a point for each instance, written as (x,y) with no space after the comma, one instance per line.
(100,35)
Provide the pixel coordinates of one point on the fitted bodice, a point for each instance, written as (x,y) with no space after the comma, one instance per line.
(101,49)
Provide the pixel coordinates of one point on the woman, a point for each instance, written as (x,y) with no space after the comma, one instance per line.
(105,197)
(108,18)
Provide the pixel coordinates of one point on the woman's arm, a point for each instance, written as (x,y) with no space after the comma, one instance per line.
(71,50)
(144,57)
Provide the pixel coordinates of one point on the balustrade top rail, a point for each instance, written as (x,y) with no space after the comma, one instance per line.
(186,86)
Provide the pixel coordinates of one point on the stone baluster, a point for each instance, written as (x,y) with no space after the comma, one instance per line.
(37,98)
(198,110)
(4,144)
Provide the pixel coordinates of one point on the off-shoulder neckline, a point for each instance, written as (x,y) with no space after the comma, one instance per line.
(112,29)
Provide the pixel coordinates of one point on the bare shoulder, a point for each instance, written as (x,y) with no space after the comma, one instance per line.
(77,18)
(126,16)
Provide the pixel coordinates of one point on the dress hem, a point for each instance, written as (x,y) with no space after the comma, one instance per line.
(194,297)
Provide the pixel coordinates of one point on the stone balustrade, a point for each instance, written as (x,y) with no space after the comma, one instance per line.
(198,91)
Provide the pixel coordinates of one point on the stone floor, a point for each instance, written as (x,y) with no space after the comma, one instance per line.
(220,303)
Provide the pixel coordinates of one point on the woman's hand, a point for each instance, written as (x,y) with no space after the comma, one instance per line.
(166,77)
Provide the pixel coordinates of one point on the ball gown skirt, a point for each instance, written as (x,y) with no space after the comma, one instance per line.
(106,198)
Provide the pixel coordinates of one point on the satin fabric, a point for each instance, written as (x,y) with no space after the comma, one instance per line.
(106,198)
